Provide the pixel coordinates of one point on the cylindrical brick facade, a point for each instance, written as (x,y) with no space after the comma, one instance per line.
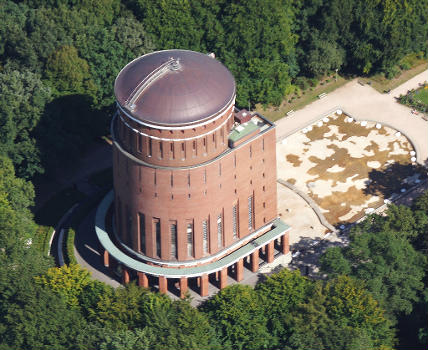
(181,193)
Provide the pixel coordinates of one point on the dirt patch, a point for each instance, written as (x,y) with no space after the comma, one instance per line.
(317,132)
(293,159)
(349,129)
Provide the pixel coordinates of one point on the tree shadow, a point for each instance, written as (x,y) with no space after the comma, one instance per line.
(68,125)
(393,178)
(307,253)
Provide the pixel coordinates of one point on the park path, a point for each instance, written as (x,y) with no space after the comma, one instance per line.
(364,102)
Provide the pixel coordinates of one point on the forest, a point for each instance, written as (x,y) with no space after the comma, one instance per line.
(58,62)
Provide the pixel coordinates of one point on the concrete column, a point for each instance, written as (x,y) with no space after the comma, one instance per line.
(125,275)
(239,270)
(223,278)
(204,285)
(269,252)
(255,261)
(285,245)
(106,258)
(183,287)
(143,281)
(163,285)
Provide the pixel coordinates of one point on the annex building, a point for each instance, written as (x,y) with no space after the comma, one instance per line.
(194,197)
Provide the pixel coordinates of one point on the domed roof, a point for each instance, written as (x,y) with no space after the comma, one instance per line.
(174,87)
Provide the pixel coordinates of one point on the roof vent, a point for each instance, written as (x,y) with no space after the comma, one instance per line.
(175,64)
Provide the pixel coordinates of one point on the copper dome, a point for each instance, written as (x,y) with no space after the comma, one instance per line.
(174,87)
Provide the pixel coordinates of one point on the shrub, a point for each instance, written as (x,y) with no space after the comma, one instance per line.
(69,251)
(302,83)
(41,241)
(314,82)
(392,72)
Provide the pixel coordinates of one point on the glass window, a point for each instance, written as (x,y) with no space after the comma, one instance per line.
(235,221)
(190,239)
(173,228)
(205,236)
(220,230)
(250,212)
(142,223)
(157,229)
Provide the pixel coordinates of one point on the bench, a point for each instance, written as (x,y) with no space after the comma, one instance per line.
(320,96)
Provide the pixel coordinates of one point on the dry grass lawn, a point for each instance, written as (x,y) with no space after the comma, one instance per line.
(344,165)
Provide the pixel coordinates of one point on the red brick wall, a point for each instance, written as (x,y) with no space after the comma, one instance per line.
(193,150)
(150,191)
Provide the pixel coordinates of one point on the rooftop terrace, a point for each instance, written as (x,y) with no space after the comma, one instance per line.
(244,131)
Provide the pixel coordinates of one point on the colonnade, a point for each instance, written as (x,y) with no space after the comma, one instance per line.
(218,278)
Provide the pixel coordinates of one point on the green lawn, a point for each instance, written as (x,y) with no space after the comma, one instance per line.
(422,96)
(310,95)
(381,84)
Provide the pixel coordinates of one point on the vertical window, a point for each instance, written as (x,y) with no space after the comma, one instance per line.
(183,150)
(128,225)
(205,176)
(219,169)
(172,150)
(235,221)
(250,212)
(160,149)
(173,229)
(263,144)
(251,151)
(220,230)
(234,160)
(157,229)
(139,143)
(119,214)
(205,235)
(172,179)
(194,147)
(188,180)
(190,239)
(214,140)
(205,144)
(154,178)
(150,148)
(142,224)
(128,137)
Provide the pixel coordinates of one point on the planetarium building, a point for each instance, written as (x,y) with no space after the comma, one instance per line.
(194,200)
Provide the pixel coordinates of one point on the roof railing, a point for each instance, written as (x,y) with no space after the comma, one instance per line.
(171,65)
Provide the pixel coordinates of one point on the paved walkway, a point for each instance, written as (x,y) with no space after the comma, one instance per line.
(364,102)
(88,252)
